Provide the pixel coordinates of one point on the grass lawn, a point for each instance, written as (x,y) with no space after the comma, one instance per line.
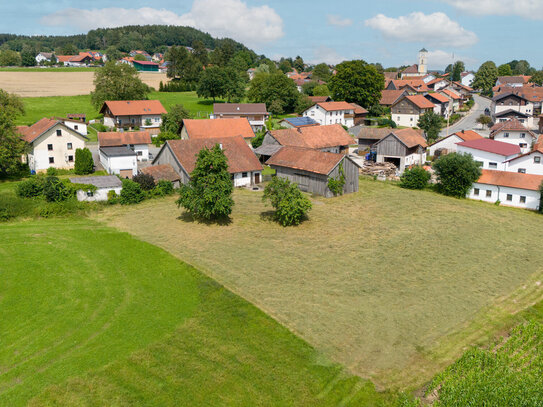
(391,283)
(92,316)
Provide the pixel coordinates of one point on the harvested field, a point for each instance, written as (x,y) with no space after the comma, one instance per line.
(29,84)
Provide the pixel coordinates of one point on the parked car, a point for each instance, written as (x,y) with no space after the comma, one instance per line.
(487,111)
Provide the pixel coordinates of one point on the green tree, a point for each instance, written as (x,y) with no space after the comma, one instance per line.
(291,206)
(285,65)
(308,88)
(212,83)
(131,193)
(235,83)
(299,64)
(12,147)
(357,82)
(484,120)
(505,70)
(521,67)
(117,82)
(54,190)
(485,77)
(430,122)
(146,181)
(303,103)
(139,57)
(172,122)
(457,70)
(270,88)
(449,68)
(84,164)
(69,49)
(208,195)
(28,56)
(456,174)
(415,178)
(183,65)
(322,72)
(113,54)
(10,58)
(200,52)
(537,78)
(321,90)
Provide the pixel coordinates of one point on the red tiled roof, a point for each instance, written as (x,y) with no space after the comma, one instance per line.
(530,92)
(214,128)
(150,63)
(420,101)
(388,97)
(411,69)
(511,179)
(305,159)
(468,135)
(509,125)
(359,109)
(318,99)
(240,157)
(411,137)
(162,172)
(113,139)
(288,137)
(451,94)
(134,107)
(240,108)
(436,80)
(29,134)
(335,106)
(439,97)
(513,79)
(491,146)
(460,85)
(315,137)
(416,84)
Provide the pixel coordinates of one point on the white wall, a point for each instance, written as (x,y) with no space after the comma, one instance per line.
(114,165)
(527,163)
(449,143)
(486,158)
(414,159)
(38,158)
(500,193)
(144,150)
(156,121)
(516,138)
(99,195)
(247,180)
(468,79)
(324,117)
(527,109)
(407,120)
(109,122)
(80,127)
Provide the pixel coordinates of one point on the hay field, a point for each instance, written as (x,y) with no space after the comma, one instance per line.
(391,283)
(31,84)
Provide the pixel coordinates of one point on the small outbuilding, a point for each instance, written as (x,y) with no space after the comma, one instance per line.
(163,172)
(101,187)
(120,161)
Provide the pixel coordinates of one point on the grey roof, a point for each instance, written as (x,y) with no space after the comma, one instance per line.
(423,50)
(300,121)
(103,181)
(269,149)
(117,151)
(239,108)
(508,111)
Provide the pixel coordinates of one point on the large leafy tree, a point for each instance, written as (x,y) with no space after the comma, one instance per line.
(505,70)
(322,72)
(12,147)
(182,65)
(208,195)
(117,82)
(10,58)
(537,78)
(212,83)
(299,64)
(458,68)
(113,54)
(357,82)
(486,77)
(28,56)
(275,89)
(84,163)
(291,206)
(199,52)
(456,173)
(172,122)
(430,122)
(235,83)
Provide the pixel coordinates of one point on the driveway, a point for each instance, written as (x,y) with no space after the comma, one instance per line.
(469,122)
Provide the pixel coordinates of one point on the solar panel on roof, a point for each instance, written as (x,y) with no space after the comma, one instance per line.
(300,121)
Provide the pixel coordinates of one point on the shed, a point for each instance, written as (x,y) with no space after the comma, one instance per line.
(120,161)
(103,184)
(162,172)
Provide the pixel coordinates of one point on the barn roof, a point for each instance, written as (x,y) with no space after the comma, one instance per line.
(111,139)
(214,128)
(161,172)
(134,107)
(305,159)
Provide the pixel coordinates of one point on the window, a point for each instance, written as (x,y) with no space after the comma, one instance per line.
(522,135)
(488,193)
(71,158)
(51,160)
(76,127)
(522,199)
(244,175)
(139,153)
(506,135)
(90,193)
(49,147)
(476,191)
(523,145)
(59,132)
(522,170)
(69,146)
(509,197)
(493,165)
(537,160)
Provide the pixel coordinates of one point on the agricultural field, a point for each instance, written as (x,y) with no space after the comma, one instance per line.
(392,284)
(93,316)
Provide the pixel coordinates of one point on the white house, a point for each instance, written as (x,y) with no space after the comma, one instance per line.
(467,78)
(407,110)
(442,104)
(256,113)
(128,114)
(506,104)
(513,132)
(75,124)
(453,97)
(332,113)
(43,57)
(529,163)
(138,141)
(509,188)
(491,154)
(120,161)
(52,144)
(103,184)
(438,84)
(449,144)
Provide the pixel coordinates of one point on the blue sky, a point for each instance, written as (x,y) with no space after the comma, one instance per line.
(386,31)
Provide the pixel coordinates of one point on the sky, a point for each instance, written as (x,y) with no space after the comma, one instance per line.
(387,31)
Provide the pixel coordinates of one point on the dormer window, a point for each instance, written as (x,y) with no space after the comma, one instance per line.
(59,132)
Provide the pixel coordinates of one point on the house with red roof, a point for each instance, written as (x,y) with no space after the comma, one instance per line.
(128,114)
(514,132)
(448,144)
(441,102)
(136,140)
(512,104)
(407,110)
(215,128)
(454,97)
(490,154)
(332,113)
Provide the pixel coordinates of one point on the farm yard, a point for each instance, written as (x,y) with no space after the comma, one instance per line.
(393,284)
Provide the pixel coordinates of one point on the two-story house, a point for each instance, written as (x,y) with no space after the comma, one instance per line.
(138,141)
(490,154)
(510,105)
(256,113)
(514,132)
(407,111)
(332,113)
(129,114)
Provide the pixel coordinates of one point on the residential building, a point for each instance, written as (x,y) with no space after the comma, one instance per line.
(43,57)
(133,53)
(243,165)
(256,113)
(121,161)
(514,132)
(529,163)
(332,113)
(411,86)
(138,141)
(490,154)
(508,188)
(297,122)
(103,185)
(449,144)
(507,105)
(163,172)
(438,84)
(312,169)
(407,111)
(454,98)
(389,97)
(513,81)
(217,128)
(442,104)
(52,144)
(320,99)
(360,114)
(467,78)
(78,125)
(129,114)
(403,148)
(80,60)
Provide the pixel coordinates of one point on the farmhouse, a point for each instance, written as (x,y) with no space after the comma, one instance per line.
(332,113)
(102,185)
(407,111)
(256,113)
(138,141)
(529,163)
(120,161)
(243,166)
(448,144)
(217,128)
(513,132)
(411,86)
(403,148)
(128,114)
(509,188)
(505,104)
(163,172)
(441,103)
(43,57)
(490,154)
(368,136)
(52,144)
(454,98)
(311,169)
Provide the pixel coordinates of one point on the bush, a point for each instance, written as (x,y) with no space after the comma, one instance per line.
(456,173)
(84,164)
(146,181)
(55,191)
(164,187)
(291,206)
(165,135)
(30,188)
(131,193)
(100,127)
(52,172)
(336,184)
(112,197)
(384,122)
(257,141)
(415,178)
(4,215)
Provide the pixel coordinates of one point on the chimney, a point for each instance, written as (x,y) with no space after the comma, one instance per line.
(220,146)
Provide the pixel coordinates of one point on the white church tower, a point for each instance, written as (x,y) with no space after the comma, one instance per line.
(423,62)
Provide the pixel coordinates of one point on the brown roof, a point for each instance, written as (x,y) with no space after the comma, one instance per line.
(305,159)
(532,93)
(239,108)
(213,128)
(64,58)
(29,134)
(112,139)
(468,135)
(288,137)
(451,94)
(439,97)
(461,85)
(420,101)
(513,79)
(411,69)
(240,157)
(162,172)
(416,84)
(374,133)
(509,125)
(334,106)
(391,75)
(388,97)
(359,109)
(436,80)
(319,99)
(134,107)
(511,179)
(411,137)
(315,137)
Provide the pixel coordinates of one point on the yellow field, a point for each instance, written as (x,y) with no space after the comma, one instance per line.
(28,84)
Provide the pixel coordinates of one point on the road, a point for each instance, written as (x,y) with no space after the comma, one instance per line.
(469,121)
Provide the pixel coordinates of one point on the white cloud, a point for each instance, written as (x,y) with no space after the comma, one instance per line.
(531,9)
(439,59)
(338,21)
(327,55)
(252,26)
(432,29)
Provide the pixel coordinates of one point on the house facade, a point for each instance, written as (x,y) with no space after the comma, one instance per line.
(137,141)
(442,105)
(43,57)
(529,163)
(449,144)
(103,185)
(511,102)
(490,154)
(255,113)
(120,161)
(129,114)
(332,113)
(407,111)
(513,132)
(403,148)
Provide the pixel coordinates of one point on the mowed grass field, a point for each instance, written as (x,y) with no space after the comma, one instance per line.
(92,316)
(391,283)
